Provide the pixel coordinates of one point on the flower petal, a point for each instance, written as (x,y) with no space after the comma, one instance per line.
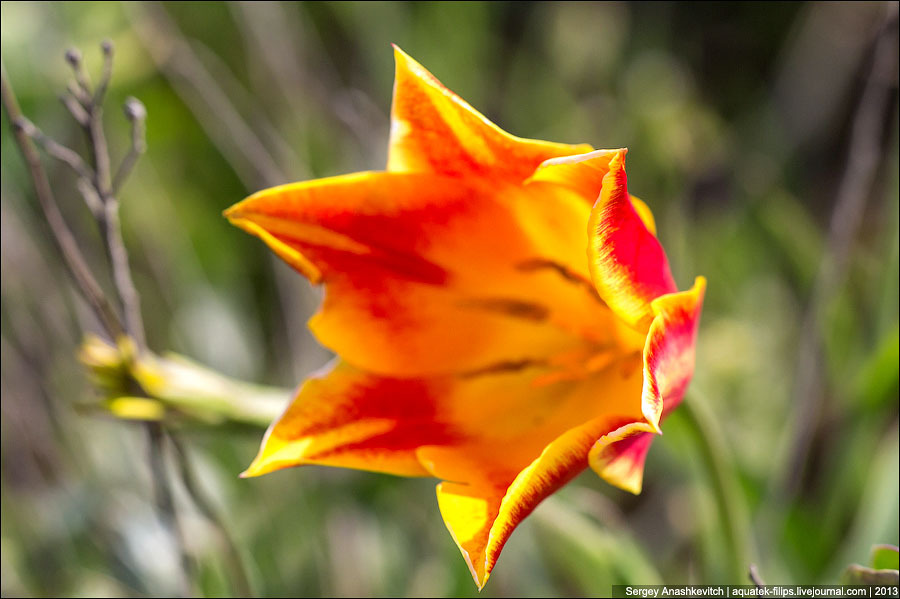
(628,265)
(481,518)
(348,418)
(427,275)
(618,458)
(481,433)
(668,367)
(495,485)
(434,130)
(583,174)
(670,350)
(475,342)
(469,512)
(645,214)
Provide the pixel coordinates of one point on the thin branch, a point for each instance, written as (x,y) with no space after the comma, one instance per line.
(75,109)
(83,89)
(99,149)
(63,238)
(240,580)
(108,215)
(93,201)
(118,258)
(99,192)
(755,578)
(165,502)
(79,95)
(137,115)
(64,154)
(864,156)
(97,186)
(108,51)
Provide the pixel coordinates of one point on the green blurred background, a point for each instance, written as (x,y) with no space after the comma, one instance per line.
(739,118)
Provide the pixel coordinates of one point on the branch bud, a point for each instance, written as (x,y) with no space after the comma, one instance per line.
(73,57)
(134,110)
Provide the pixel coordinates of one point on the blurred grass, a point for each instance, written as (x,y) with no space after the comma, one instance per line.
(738,120)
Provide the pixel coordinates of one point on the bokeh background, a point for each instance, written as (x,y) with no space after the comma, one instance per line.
(746,124)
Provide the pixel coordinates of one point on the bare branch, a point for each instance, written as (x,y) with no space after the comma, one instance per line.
(101,199)
(240,580)
(55,149)
(108,51)
(136,114)
(107,215)
(80,96)
(63,238)
(99,149)
(75,109)
(73,57)
(165,501)
(97,187)
(93,201)
(111,229)
(755,578)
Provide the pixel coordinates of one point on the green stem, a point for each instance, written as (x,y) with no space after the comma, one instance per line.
(716,460)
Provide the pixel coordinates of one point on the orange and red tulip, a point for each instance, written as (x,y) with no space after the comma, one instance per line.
(502,313)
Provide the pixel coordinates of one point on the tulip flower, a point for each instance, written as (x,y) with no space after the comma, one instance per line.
(502,313)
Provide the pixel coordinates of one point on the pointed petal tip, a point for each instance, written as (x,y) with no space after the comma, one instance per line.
(253,470)
(264,466)
(698,290)
(617,162)
(634,486)
(265,462)
(480,579)
(229,212)
(242,220)
(480,584)
(398,53)
(700,284)
(238,210)
(402,57)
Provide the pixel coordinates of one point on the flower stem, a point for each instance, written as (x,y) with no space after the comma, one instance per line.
(716,460)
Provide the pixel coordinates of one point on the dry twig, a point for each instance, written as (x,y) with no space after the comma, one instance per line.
(61,235)
(98,189)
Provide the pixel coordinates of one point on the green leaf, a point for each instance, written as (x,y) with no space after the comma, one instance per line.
(876,385)
(856,574)
(885,557)
(884,571)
